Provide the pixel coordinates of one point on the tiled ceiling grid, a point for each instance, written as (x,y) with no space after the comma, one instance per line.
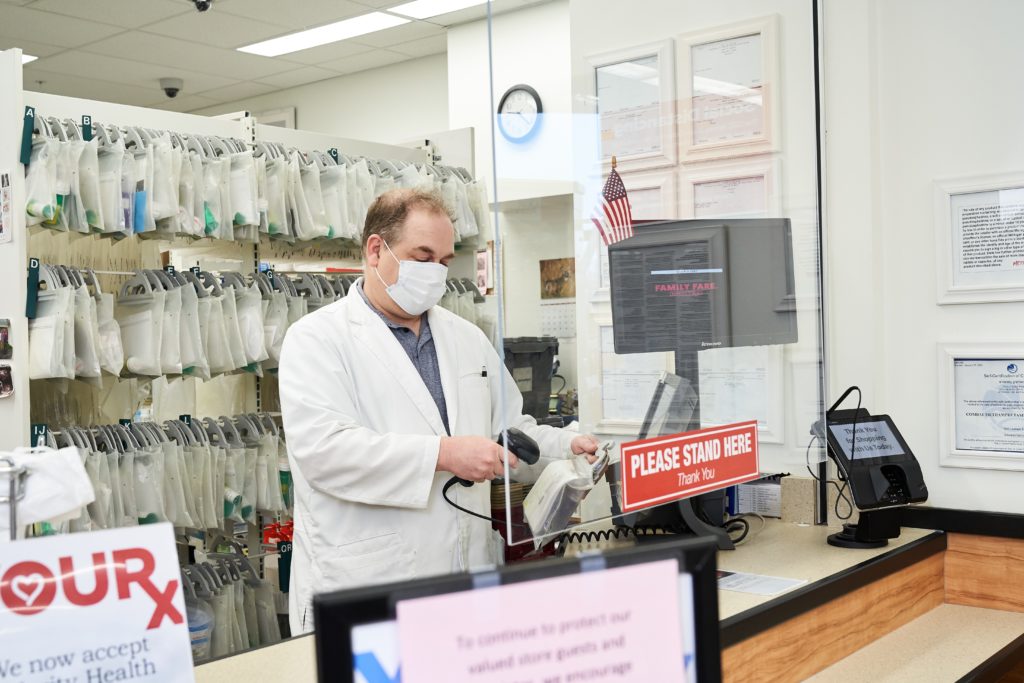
(117,50)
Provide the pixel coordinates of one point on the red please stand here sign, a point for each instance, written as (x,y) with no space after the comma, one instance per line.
(667,468)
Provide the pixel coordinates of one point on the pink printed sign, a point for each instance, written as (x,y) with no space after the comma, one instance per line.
(613,625)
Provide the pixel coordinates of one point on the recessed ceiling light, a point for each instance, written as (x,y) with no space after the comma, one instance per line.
(26,58)
(421,9)
(321,35)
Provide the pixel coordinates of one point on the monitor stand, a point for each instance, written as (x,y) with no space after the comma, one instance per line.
(688,367)
(872,530)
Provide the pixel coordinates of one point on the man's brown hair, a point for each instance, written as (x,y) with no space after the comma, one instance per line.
(387,214)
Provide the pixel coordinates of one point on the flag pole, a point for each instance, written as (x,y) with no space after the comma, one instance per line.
(615,163)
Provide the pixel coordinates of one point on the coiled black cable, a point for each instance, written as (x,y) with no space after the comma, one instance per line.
(617,533)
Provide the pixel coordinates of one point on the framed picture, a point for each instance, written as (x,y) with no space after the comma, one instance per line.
(485,268)
(558,278)
(729,90)
(652,196)
(738,188)
(981,410)
(980,239)
(636,106)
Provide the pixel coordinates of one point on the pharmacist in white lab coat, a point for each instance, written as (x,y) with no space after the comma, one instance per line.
(385,397)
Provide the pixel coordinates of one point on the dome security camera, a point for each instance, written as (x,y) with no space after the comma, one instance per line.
(202,5)
(171,86)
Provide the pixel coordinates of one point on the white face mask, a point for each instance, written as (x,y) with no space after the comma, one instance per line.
(419,287)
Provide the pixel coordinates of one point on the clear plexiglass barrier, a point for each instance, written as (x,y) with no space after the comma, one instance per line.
(656,259)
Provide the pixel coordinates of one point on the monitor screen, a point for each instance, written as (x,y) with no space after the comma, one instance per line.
(358,632)
(874,439)
(699,284)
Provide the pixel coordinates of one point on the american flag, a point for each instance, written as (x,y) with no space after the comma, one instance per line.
(613,218)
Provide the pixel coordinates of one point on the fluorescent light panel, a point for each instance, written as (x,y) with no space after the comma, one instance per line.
(26,58)
(421,9)
(321,35)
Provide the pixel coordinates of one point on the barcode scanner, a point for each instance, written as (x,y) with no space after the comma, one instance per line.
(517,443)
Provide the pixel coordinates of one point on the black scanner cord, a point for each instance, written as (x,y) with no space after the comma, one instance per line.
(465,482)
(518,444)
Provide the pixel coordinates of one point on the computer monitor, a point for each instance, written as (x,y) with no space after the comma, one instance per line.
(693,285)
(703,284)
(357,632)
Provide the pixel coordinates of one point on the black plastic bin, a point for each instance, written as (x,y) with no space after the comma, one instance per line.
(529,359)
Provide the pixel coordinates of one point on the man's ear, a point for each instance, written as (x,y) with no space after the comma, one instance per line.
(373,246)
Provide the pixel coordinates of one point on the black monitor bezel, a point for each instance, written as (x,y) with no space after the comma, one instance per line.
(651,234)
(338,612)
(848,463)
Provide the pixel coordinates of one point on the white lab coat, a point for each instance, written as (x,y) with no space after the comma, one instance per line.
(363,435)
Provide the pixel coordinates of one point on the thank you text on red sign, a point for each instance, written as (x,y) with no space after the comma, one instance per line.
(668,468)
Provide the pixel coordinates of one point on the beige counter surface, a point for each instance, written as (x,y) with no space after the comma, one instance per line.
(779,549)
(942,645)
(793,551)
(293,661)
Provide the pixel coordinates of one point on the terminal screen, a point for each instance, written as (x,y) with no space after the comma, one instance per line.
(874,439)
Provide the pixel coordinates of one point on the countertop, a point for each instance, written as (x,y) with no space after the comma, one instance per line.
(778,549)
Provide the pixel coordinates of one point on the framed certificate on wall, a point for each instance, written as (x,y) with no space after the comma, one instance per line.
(981,421)
(729,83)
(737,188)
(980,239)
(636,106)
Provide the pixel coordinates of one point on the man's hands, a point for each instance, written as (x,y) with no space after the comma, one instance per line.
(474,458)
(584,443)
(477,458)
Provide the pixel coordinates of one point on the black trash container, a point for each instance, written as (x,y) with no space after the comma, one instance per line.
(529,359)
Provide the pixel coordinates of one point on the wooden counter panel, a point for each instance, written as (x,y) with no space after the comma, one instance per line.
(806,644)
(985,571)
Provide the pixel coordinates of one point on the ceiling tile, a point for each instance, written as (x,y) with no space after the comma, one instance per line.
(174,53)
(382,4)
(131,72)
(462,16)
(366,60)
(238,91)
(424,46)
(306,74)
(185,103)
(292,15)
(53,29)
(31,47)
(215,28)
(324,53)
(400,34)
(85,88)
(124,13)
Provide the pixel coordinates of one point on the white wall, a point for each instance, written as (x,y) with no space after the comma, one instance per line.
(914,94)
(391,104)
(530,46)
(535,230)
(14,410)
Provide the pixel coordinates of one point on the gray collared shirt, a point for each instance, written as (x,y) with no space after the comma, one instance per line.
(421,352)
